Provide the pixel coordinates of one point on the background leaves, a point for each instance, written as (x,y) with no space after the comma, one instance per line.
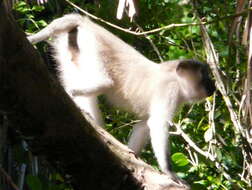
(207,124)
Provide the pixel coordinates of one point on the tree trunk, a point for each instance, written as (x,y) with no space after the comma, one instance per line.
(41,110)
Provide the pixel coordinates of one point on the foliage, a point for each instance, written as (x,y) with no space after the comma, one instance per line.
(217,137)
(27,15)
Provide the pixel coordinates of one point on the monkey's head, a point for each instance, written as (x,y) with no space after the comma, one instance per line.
(194,79)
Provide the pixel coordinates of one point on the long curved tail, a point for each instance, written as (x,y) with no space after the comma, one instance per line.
(60,25)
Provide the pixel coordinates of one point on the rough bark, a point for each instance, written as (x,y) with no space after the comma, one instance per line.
(42,111)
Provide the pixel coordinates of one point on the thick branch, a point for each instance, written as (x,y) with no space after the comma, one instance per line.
(42,111)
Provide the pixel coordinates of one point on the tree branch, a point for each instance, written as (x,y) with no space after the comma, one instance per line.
(167,27)
(40,109)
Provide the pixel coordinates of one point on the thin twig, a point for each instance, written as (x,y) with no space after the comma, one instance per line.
(192,144)
(248,109)
(213,60)
(157,29)
(192,158)
(8,179)
(127,30)
(151,42)
(126,125)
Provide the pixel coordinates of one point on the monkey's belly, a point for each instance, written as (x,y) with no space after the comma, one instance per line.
(132,105)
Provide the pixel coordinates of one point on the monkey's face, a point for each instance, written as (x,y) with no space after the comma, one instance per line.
(195,80)
(206,82)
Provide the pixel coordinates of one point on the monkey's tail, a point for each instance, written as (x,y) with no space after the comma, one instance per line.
(60,25)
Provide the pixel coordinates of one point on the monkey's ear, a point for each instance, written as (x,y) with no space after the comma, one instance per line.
(187,68)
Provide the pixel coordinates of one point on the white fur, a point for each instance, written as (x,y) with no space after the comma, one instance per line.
(139,137)
(104,64)
(90,64)
(70,75)
(159,140)
(161,113)
(90,105)
(133,91)
(88,73)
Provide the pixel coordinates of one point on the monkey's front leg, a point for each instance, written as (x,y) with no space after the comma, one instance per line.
(163,107)
(159,140)
(159,132)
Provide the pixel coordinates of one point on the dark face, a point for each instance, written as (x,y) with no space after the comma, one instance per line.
(196,74)
(206,81)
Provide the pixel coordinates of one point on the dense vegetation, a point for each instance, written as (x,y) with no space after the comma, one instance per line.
(219,155)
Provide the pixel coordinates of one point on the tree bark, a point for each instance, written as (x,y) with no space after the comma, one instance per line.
(55,128)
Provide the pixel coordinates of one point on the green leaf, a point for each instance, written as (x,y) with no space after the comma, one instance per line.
(180,159)
(33,182)
(21,3)
(23,9)
(42,23)
(38,8)
(202,182)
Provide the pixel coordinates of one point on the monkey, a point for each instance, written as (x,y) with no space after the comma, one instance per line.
(92,61)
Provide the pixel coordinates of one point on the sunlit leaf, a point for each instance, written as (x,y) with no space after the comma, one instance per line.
(180,159)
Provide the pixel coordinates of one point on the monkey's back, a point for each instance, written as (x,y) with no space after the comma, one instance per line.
(132,81)
(98,56)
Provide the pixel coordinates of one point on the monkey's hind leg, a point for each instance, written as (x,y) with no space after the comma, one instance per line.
(93,75)
(82,76)
(90,106)
(139,137)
